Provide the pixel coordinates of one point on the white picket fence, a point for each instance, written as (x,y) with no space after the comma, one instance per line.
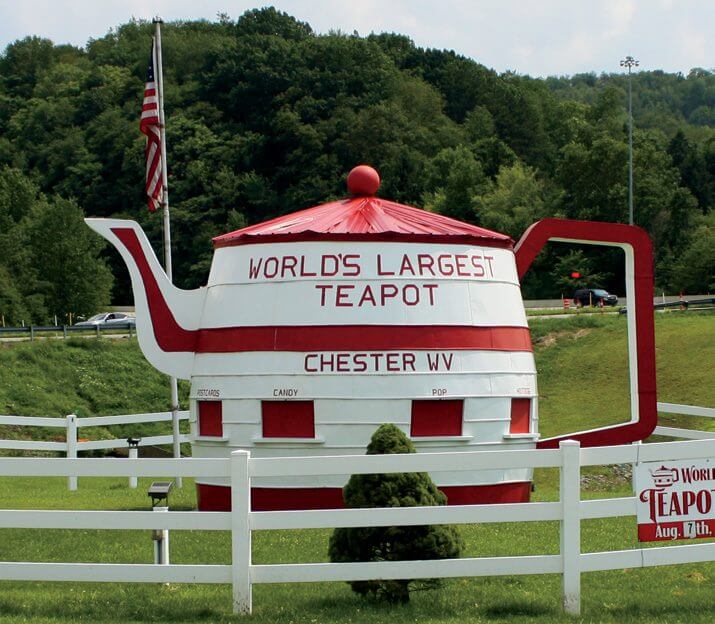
(685,410)
(569,510)
(73,445)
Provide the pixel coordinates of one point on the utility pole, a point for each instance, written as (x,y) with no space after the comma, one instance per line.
(630,62)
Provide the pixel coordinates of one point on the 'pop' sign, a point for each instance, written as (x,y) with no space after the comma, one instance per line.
(676,500)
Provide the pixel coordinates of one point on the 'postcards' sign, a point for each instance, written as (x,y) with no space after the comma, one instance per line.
(676,500)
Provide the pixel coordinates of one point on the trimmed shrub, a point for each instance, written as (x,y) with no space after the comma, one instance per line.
(401,543)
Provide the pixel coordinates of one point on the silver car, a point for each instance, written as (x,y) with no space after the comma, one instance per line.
(107,319)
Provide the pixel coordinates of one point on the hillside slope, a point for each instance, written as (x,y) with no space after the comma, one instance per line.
(583,368)
(81,376)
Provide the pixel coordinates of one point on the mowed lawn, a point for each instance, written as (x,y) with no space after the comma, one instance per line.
(582,365)
(583,383)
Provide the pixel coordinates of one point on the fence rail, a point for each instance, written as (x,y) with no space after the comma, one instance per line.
(73,445)
(685,410)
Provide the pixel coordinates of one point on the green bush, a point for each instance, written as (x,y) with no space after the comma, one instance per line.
(402,543)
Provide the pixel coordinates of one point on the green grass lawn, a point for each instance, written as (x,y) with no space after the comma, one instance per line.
(582,382)
(670,594)
(582,365)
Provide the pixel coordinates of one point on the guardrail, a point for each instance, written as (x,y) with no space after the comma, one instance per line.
(32,330)
(680,303)
(242,573)
(72,445)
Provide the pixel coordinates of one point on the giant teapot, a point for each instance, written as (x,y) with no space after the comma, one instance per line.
(316,327)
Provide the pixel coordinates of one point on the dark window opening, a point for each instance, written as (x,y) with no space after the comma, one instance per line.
(520,416)
(288,419)
(210,418)
(436,418)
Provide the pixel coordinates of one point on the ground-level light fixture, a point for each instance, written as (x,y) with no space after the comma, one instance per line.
(133,444)
(158,492)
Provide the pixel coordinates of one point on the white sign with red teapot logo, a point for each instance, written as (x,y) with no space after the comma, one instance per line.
(676,500)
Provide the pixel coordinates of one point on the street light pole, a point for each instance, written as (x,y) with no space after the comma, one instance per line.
(630,62)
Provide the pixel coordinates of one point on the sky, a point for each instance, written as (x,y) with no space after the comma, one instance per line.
(535,37)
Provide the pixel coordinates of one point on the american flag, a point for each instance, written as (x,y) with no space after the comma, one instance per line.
(149,125)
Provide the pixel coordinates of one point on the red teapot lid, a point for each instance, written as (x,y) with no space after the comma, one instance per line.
(364,217)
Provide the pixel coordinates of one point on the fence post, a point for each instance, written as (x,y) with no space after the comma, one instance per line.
(633,468)
(32,332)
(570,495)
(64,332)
(133,454)
(72,447)
(175,432)
(161,542)
(96,328)
(241,532)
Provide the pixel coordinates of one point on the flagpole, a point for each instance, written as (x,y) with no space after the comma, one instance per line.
(167,228)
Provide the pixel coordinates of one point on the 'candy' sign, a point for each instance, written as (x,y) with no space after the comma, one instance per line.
(676,500)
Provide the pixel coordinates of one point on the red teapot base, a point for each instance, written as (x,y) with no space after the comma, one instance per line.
(218,497)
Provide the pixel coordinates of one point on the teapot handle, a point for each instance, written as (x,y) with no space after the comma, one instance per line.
(639,303)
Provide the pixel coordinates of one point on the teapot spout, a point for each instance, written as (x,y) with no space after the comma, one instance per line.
(167,317)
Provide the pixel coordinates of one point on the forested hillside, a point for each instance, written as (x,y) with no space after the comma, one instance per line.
(266,117)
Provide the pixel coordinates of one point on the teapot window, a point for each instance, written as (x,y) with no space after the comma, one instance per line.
(520,416)
(436,417)
(288,419)
(210,415)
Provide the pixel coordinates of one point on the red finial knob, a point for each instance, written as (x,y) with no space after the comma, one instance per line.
(363,180)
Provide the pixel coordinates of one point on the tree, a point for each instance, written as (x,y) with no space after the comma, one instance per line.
(454,178)
(13,310)
(20,201)
(23,61)
(74,278)
(594,176)
(693,169)
(393,543)
(694,270)
(517,200)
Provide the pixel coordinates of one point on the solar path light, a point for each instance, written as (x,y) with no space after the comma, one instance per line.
(159,492)
(133,454)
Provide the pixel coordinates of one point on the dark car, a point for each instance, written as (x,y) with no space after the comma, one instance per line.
(594,296)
